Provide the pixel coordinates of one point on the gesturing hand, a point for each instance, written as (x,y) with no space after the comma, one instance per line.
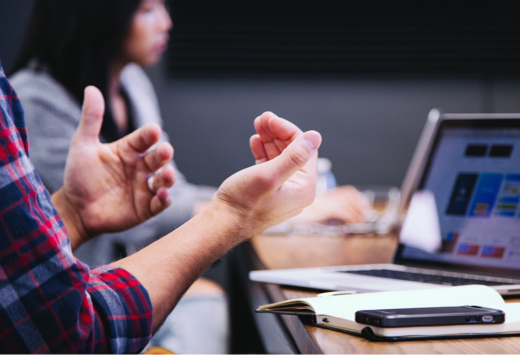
(284,180)
(105,185)
(344,204)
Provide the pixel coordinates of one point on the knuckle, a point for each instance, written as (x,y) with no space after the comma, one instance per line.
(299,157)
(156,158)
(158,181)
(144,138)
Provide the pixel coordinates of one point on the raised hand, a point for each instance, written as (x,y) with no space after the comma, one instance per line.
(345,203)
(284,180)
(273,136)
(106,185)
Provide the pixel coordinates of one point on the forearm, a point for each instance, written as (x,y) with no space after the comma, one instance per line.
(169,266)
(77,234)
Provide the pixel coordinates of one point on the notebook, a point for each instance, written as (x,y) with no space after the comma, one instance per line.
(339,312)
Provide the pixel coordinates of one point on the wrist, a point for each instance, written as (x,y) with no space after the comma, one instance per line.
(237,222)
(70,217)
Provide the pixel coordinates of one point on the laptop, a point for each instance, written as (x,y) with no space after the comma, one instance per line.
(470,163)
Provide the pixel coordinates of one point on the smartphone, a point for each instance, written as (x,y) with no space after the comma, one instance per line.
(395,318)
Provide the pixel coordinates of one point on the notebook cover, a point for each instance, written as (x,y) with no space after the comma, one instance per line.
(368,334)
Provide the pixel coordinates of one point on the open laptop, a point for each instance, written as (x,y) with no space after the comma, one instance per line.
(471,165)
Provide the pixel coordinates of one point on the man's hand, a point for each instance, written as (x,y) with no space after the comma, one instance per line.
(281,184)
(106,185)
(344,204)
(273,136)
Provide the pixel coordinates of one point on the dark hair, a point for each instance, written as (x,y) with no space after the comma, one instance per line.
(75,40)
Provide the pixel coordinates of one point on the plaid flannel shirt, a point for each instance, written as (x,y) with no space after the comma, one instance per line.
(49,301)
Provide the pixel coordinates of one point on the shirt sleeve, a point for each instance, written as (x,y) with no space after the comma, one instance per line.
(50,302)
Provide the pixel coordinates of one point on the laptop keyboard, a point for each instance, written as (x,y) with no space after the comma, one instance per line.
(429,278)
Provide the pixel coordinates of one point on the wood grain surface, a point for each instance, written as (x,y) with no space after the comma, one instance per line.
(294,251)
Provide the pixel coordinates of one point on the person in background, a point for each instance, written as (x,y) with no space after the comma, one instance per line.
(53,303)
(105,43)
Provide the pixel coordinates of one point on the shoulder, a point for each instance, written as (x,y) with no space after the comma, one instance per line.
(50,110)
(136,81)
(34,86)
(134,74)
(142,95)
(32,83)
(41,94)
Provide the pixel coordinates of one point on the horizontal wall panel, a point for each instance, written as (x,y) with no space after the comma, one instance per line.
(331,37)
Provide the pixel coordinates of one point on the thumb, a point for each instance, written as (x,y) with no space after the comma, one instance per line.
(295,157)
(91,115)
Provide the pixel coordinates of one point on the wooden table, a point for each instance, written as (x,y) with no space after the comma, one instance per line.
(285,334)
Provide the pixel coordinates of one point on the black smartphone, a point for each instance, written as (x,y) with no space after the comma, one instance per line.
(395,318)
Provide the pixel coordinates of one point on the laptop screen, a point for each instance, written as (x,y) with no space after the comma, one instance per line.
(474,174)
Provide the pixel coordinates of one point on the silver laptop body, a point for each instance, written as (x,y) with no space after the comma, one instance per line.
(471,164)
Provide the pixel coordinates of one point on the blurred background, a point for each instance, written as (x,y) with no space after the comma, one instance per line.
(363,73)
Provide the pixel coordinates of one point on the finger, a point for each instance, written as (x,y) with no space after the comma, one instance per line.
(164,178)
(91,115)
(143,138)
(348,214)
(160,201)
(350,196)
(283,129)
(263,131)
(257,148)
(272,127)
(294,158)
(272,150)
(276,133)
(360,205)
(158,157)
(281,145)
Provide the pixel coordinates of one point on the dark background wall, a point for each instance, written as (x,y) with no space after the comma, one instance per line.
(370,119)
(13,16)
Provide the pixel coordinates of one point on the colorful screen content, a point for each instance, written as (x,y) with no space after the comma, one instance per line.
(475,178)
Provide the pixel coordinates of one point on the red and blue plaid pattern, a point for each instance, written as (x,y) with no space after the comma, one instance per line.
(49,301)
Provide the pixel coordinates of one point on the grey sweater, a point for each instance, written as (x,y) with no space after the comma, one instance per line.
(52,115)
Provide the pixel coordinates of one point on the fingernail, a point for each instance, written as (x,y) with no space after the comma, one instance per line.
(312,139)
